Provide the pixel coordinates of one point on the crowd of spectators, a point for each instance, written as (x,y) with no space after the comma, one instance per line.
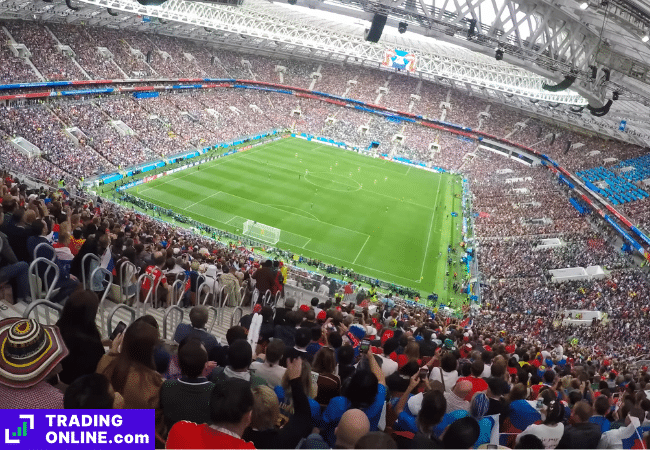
(328,374)
(45,56)
(309,382)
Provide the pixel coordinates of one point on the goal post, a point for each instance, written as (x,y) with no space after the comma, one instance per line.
(261,232)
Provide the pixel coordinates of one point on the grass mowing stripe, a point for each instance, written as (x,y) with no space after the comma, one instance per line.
(366,214)
(426,251)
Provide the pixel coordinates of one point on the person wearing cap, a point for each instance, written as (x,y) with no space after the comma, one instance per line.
(31,353)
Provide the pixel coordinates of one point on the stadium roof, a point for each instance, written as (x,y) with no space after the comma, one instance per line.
(542,42)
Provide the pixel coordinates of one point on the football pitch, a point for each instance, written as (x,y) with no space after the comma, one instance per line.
(379,218)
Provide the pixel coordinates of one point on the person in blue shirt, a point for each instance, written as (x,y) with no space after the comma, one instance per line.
(366,391)
(198,318)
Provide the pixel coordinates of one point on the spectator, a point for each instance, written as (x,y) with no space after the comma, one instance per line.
(551,431)
(582,434)
(280,313)
(462,433)
(92,391)
(353,425)
(446,373)
(230,284)
(26,386)
(161,294)
(614,438)
(602,408)
(329,384)
(231,408)
(456,398)
(366,391)
(266,410)
(264,277)
(199,316)
(187,398)
(270,369)
(240,356)
(388,366)
(478,384)
(80,335)
(12,270)
(129,366)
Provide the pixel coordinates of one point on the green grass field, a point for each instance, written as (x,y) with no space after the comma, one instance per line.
(379,218)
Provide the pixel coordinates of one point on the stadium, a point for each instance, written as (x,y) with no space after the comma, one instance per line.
(322,224)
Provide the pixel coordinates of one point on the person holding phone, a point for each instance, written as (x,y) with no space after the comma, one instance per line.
(81,336)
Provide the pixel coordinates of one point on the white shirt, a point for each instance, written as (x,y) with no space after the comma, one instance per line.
(450,378)
(613,438)
(272,374)
(388,366)
(487,371)
(550,435)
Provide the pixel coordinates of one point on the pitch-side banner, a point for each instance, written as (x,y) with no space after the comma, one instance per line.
(28,429)
(399,59)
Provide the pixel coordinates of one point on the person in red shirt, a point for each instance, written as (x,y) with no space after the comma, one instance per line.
(159,279)
(478,384)
(231,407)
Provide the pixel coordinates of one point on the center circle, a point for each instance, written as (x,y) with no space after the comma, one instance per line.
(332,181)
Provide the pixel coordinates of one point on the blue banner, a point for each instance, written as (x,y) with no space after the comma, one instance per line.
(643,237)
(78,428)
(623,233)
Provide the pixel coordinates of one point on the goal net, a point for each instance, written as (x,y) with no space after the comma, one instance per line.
(261,232)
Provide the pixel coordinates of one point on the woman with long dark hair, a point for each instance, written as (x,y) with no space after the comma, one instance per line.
(81,336)
(130,366)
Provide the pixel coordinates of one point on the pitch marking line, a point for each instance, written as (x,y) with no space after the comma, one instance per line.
(211,195)
(215,163)
(362,247)
(426,251)
(343,184)
(335,258)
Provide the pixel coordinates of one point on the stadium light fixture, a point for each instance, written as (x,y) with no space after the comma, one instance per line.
(498,55)
(584,5)
(645,38)
(401,27)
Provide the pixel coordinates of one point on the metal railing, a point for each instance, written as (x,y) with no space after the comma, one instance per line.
(109,319)
(41,288)
(48,306)
(178,312)
(87,283)
(141,306)
(127,271)
(39,247)
(108,280)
